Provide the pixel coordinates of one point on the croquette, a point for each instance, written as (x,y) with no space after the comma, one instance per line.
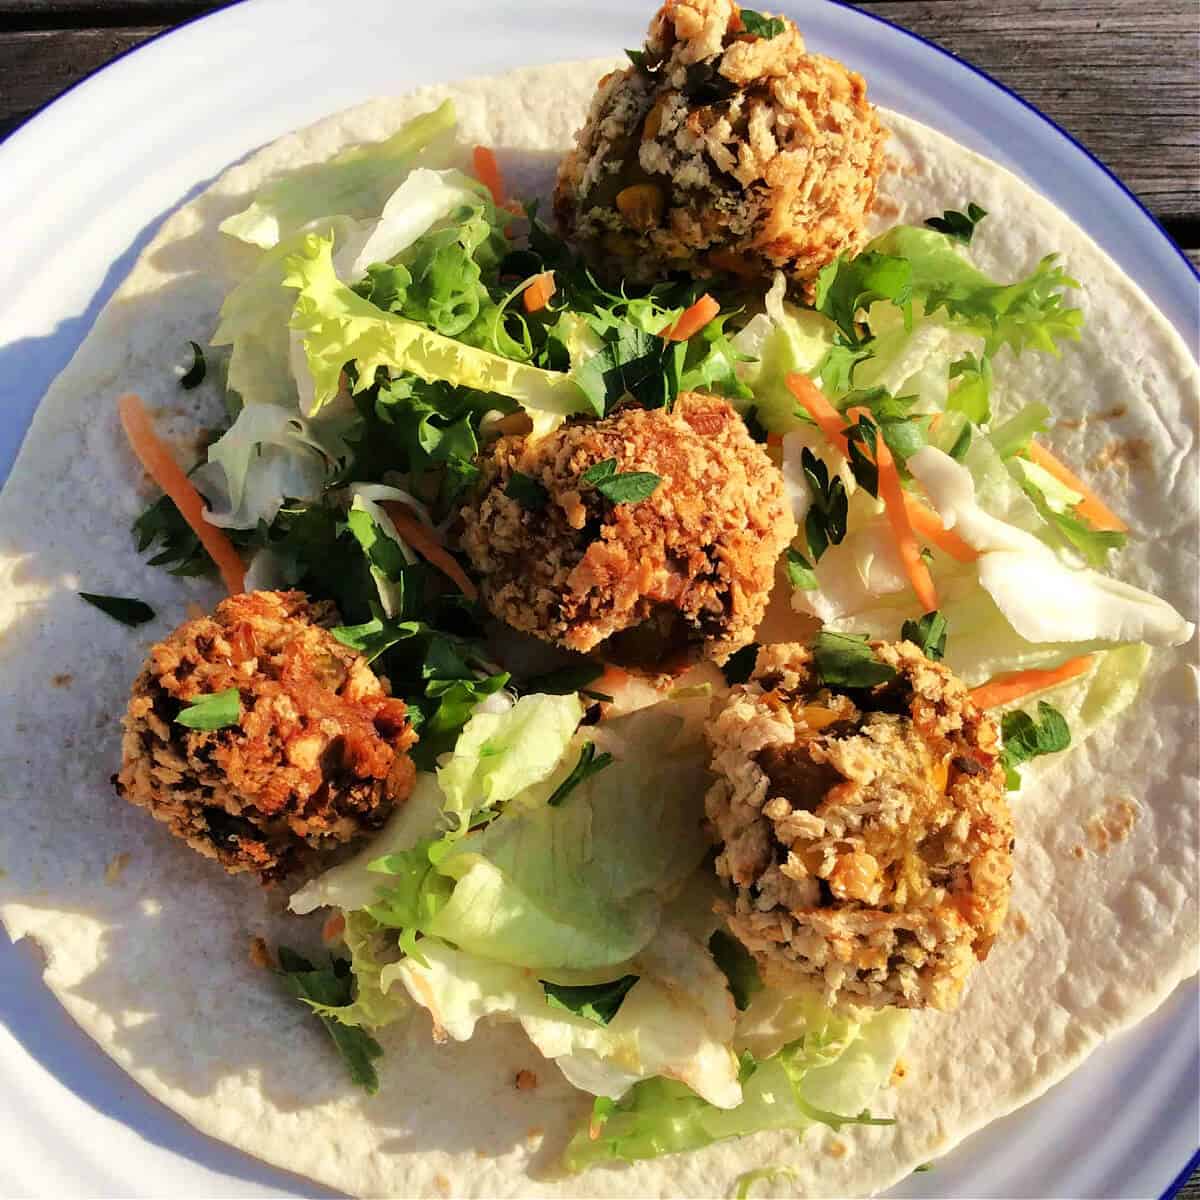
(685,571)
(722,150)
(318,753)
(864,833)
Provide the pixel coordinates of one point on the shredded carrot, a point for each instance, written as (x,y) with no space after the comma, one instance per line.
(333,928)
(774,439)
(891,492)
(830,421)
(929,528)
(166,472)
(424,541)
(693,319)
(1015,684)
(611,682)
(537,295)
(1091,507)
(487,171)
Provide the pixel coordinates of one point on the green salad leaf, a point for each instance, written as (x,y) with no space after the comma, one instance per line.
(588,765)
(624,487)
(737,965)
(355,182)
(756,25)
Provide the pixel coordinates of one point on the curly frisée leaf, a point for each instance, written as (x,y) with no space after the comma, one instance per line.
(341,327)
(212,712)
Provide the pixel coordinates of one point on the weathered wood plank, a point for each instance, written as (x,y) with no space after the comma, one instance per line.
(1119,75)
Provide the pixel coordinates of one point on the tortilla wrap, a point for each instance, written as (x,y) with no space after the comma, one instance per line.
(152,960)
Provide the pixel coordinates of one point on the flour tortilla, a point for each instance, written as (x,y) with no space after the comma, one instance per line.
(152,960)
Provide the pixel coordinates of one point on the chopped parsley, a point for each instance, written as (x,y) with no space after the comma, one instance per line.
(739,666)
(825,524)
(846,660)
(1026,738)
(737,965)
(627,487)
(800,571)
(212,712)
(121,608)
(756,25)
(598,1002)
(956,225)
(526,491)
(928,634)
(590,763)
(332,987)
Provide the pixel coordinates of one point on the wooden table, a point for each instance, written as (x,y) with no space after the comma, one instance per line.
(1120,75)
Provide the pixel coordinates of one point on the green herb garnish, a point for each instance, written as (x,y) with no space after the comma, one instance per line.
(215,711)
(739,666)
(956,225)
(847,660)
(627,487)
(526,491)
(825,524)
(756,25)
(121,608)
(598,1002)
(590,763)
(928,634)
(738,966)
(333,987)
(800,571)
(1026,738)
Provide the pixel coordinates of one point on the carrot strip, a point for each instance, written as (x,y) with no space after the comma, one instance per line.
(422,540)
(891,492)
(1091,506)
(929,528)
(830,421)
(537,295)
(333,928)
(166,472)
(1013,685)
(487,171)
(693,319)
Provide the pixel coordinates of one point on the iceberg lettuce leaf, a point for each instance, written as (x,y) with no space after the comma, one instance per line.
(355,182)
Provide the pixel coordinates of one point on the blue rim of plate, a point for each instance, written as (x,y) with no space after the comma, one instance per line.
(1194,1162)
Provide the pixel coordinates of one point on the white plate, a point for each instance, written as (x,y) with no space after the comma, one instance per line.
(85,184)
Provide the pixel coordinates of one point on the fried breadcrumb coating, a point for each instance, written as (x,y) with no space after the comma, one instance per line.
(318,755)
(722,151)
(690,566)
(866,837)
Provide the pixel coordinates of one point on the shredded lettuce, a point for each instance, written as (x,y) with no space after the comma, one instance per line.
(677,1020)
(1042,597)
(372,948)
(778,341)
(828,1077)
(355,182)
(341,327)
(1028,314)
